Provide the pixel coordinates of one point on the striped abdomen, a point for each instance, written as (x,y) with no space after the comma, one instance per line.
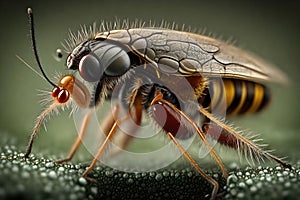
(238,96)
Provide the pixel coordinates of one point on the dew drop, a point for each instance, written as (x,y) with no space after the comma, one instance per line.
(166,173)
(259,184)
(43,174)
(232,179)
(287,184)
(152,174)
(49,165)
(233,192)
(94,190)
(130,180)
(158,177)
(61,169)
(125,175)
(109,173)
(269,178)
(25,174)
(240,195)
(281,180)
(82,181)
(253,189)
(249,182)
(15,169)
(242,184)
(52,174)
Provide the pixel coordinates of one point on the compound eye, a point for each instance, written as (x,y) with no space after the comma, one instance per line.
(63,96)
(119,66)
(90,68)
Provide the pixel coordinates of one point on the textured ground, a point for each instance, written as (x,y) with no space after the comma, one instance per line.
(41,178)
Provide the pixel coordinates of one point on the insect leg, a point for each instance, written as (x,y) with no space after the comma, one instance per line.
(38,125)
(104,144)
(159,99)
(135,112)
(231,138)
(79,138)
(196,166)
(109,121)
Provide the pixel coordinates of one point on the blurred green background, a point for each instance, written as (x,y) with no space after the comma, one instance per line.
(271,29)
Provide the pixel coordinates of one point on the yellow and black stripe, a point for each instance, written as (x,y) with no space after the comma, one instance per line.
(239,96)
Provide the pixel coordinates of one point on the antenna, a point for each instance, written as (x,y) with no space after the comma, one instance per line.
(30,15)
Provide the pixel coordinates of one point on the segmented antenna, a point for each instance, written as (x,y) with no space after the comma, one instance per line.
(30,15)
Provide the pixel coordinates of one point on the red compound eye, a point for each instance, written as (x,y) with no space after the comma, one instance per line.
(63,96)
(55,91)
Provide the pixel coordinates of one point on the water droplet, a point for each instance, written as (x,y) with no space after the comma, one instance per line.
(242,184)
(166,173)
(109,173)
(43,174)
(287,184)
(233,192)
(278,168)
(259,184)
(281,180)
(158,177)
(48,188)
(232,179)
(247,174)
(239,174)
(61,169)
(49,164)
(52,174)
(152,174)
(15,169)
(130,180)
(240,195)
(261,173)
(249,182)
(216,176)
(94,190)
(25,174)
(253,189)
(125,175)
(42,169)
(82,181)
(77,167)
(285,173)
(269,178)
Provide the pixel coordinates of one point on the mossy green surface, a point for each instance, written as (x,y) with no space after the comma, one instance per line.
(41,178)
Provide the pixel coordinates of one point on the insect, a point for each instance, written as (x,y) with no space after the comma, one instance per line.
(171,60)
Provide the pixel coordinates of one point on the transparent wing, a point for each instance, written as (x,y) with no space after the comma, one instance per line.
(188,53)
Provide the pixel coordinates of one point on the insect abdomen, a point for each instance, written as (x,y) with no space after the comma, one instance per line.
(238,96)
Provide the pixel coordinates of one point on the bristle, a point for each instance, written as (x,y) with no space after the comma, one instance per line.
(243,142)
